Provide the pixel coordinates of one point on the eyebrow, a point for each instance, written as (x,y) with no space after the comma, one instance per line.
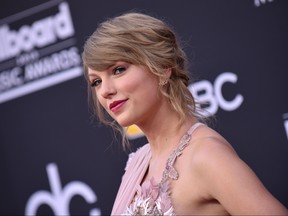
(109,67)
(92,74)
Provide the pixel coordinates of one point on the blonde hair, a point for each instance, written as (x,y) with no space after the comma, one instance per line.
(141,39)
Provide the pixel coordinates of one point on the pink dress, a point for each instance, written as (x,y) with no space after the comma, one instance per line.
(150,198)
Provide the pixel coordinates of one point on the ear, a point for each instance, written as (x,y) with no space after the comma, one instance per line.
(164,80)
(168,73)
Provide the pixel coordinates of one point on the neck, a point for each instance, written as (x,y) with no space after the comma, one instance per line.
(163,131)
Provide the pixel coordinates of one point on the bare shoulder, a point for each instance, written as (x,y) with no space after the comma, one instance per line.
(214,168)
(199,169)
(212,158)
(209,155)
(207,145)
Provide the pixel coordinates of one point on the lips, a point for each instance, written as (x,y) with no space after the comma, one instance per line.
(116,105)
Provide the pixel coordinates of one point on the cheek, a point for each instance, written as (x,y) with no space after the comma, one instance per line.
(98,98)
(147,92)
(140,84)
(128,86)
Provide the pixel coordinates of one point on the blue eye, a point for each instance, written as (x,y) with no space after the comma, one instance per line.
(119,70)
(95,82)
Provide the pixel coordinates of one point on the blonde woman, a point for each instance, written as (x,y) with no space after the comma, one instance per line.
(137,73)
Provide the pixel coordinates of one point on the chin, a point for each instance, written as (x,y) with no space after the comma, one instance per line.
(126,119)
(124,123)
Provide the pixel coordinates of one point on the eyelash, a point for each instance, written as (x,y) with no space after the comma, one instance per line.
(117,70)
(95,82)
(120,69)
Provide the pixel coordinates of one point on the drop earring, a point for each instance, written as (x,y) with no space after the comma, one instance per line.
(163,82)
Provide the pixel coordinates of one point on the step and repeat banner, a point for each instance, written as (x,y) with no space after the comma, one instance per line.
(56,159)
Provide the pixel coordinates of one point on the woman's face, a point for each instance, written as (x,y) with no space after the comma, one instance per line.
(129,93)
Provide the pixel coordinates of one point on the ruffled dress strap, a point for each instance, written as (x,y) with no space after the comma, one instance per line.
(170,171)
(154,198)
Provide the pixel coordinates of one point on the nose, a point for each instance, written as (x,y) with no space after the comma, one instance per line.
(107,89)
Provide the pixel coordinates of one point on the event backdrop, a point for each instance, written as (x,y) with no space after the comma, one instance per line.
(55,158)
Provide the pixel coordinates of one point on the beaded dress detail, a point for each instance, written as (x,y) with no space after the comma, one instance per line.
(153,198)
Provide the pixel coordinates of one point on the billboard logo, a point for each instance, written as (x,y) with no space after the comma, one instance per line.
(39,53)
(59,198)
(41,33)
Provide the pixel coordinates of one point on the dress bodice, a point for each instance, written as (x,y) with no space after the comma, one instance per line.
(153,198)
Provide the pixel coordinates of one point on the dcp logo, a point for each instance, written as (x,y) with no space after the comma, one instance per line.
(59,199)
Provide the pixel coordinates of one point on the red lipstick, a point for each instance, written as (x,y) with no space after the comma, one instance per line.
(116,105)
